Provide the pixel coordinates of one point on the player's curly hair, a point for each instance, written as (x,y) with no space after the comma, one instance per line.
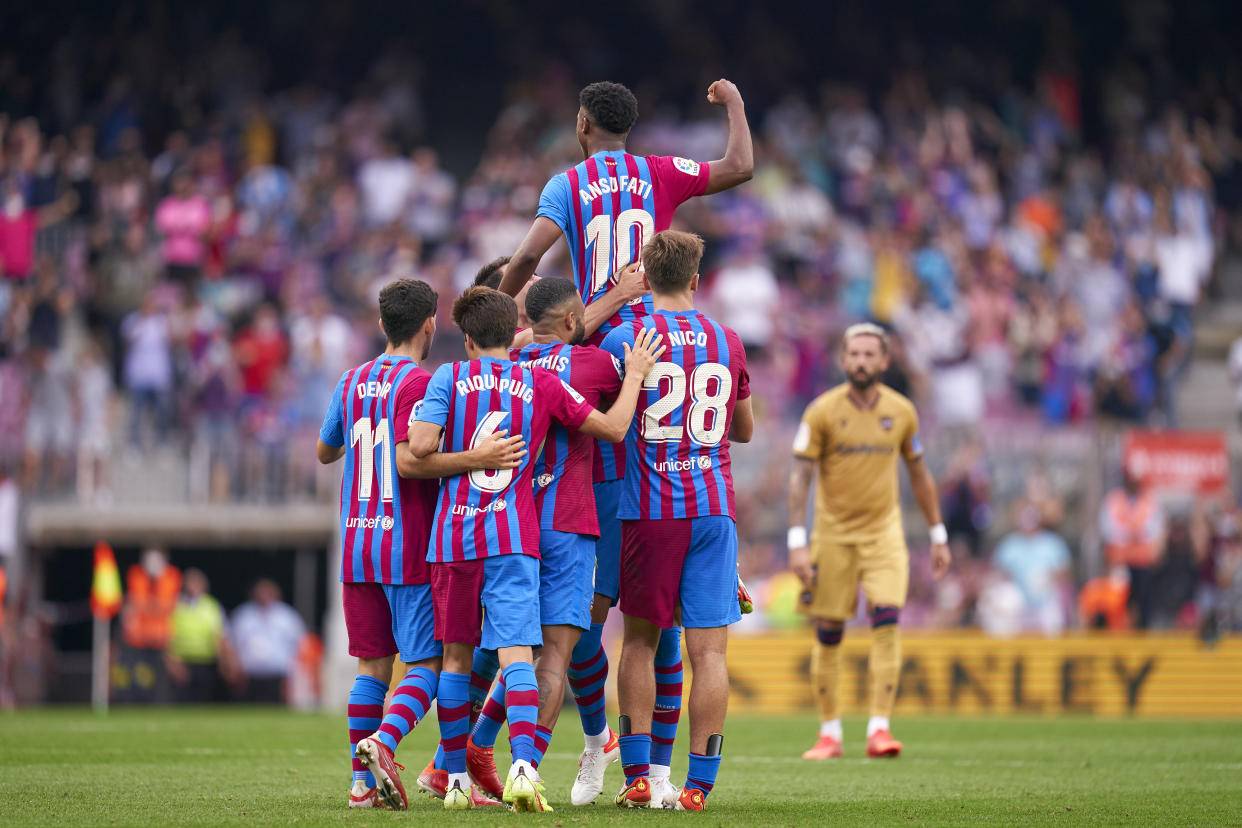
(487,316)
(547,294)
(404,305)
(671,259)
(490,274)
(611,105)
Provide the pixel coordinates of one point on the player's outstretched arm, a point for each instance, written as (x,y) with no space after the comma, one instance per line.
(327,454)
(924,487)
(738,164)
(627,284)
(742,428)
(541,236)
(800,477)
(639,361)
(493,451)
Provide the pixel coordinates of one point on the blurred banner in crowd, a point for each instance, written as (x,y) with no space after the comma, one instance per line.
(1178,461)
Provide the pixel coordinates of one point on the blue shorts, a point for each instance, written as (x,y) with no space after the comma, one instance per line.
(608,547)
(413,622)
(566,572)
(489,602)
(689,563)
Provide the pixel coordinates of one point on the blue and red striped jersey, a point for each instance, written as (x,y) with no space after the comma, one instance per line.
(608,206)
(486,513)
(385,520)
(563,493)
(678,448)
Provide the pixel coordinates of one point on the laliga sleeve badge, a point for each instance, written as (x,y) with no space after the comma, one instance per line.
(686,165)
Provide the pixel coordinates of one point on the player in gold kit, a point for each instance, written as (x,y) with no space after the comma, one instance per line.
(852,435)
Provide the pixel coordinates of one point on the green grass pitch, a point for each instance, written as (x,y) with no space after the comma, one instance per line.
(256,767)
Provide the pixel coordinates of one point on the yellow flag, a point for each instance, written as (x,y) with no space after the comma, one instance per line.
(106,585)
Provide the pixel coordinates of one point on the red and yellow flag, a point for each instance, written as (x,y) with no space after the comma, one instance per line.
(106,585)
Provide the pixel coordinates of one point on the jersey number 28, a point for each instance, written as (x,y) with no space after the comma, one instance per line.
(703,398)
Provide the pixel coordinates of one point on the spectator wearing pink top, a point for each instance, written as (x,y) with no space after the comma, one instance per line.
(183,219)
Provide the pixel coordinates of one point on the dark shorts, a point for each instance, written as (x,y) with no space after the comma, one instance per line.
(490,602)
(383,620)
(690,562)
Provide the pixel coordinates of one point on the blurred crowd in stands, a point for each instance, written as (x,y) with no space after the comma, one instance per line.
(187,265)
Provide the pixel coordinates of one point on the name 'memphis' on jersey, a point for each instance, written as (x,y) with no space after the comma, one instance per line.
(492,512)
(564,497)
(385,520)
(677,451)
(608,207)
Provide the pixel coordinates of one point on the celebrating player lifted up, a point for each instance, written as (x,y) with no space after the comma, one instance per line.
(679,540)
(608,207)
(484,544)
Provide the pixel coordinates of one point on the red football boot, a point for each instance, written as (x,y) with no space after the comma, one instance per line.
(881,743)
(378,759)
(433,782)
(481,763)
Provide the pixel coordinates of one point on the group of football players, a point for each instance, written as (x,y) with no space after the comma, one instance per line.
(577,458)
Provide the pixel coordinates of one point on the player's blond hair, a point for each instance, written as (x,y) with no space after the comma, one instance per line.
(865,329)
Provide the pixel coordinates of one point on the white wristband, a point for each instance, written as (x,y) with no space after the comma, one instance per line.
(796,539)
(938,534)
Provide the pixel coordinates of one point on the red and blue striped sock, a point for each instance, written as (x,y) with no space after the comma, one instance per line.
(491,717)
(365,712)
(482,674)
(635,756)
(667,713)
(453,710)
(702,771)
(410,703)
(521,708)
(543,737)
(587,674)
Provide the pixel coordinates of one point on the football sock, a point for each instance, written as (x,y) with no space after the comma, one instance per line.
(482,673)
(876,723)
(831,728)
(491,717)
(826,672)
(437,761)
(668,676)
(543,737)
(365,711)
(885,668)
(453,710)
(410,703)
(587,674)
(522,708)
(702,771)
(636,756)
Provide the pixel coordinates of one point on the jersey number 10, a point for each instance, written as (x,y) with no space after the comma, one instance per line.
(616,247)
